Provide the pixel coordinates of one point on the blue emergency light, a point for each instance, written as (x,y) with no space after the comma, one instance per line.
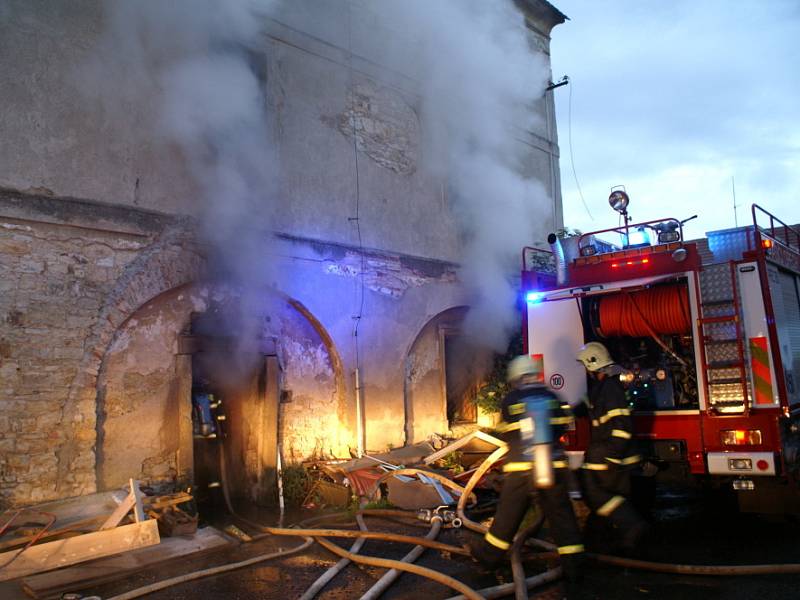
(534,297)
(636,238)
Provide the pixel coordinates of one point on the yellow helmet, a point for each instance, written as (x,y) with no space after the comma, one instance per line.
(594,356)
(525,365)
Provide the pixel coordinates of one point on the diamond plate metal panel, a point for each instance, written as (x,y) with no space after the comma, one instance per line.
(729,244)
(715,283)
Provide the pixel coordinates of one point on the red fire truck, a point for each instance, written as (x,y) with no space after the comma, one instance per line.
(708,332)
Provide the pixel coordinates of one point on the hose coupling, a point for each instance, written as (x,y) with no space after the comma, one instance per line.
(443,513)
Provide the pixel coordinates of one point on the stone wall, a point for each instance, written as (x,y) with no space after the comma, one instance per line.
(95,300)
(101,268)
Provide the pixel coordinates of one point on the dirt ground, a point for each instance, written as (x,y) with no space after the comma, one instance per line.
(688,528)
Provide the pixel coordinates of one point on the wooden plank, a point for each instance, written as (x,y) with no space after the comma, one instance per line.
(61,553)
(80,507)
(183,400)
(73,526)
(119,513)
(463,442)
(55,583)
(157,502)
(138,509)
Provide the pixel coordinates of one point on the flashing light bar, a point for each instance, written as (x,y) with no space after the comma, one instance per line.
(629,263)
(534,297)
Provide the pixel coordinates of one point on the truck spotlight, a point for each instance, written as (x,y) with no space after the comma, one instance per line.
(627,377)
(667,232)
(619,201)
(668,236)
(588,250)
(661,374)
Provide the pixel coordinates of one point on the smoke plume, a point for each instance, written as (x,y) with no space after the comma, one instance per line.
(479,82)
(196,63)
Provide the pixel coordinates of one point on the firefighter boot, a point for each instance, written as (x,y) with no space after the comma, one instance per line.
(574,567)
(487,555)
(633,538)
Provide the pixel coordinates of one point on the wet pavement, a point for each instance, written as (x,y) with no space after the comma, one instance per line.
(689,528)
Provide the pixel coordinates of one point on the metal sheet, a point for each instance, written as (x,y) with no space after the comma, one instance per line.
(555,331)
(718,463)
(754,320)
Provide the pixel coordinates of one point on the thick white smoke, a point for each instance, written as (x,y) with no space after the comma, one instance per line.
(479,82)
(194,62)
(195,65)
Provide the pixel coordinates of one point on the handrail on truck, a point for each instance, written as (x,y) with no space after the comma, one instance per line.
(787,229)
(624,229)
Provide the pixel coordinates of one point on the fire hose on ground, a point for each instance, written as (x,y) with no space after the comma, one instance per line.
(519,586)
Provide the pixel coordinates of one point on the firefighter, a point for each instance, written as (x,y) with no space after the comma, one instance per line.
(610,455)
(533,421)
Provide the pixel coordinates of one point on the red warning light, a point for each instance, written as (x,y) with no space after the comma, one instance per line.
(766,244)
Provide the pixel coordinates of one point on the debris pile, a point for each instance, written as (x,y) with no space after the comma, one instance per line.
(120,532)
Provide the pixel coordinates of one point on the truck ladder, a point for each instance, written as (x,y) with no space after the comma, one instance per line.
(720,330)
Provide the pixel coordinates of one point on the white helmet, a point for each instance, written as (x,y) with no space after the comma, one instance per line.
(594,356)
(525,365)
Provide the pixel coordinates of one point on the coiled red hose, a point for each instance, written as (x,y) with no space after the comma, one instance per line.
(663,310)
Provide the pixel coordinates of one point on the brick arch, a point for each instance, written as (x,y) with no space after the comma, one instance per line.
(172,260)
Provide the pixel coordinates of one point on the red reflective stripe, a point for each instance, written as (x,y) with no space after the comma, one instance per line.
(762,376)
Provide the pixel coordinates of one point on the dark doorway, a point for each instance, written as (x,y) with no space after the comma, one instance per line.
(459,379)
(234,417)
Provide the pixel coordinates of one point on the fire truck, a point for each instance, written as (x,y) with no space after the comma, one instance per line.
(707,332)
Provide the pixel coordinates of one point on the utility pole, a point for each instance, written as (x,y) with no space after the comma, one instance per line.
(735,206)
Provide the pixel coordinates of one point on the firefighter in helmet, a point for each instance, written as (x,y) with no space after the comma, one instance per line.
(533,420)
(610,456)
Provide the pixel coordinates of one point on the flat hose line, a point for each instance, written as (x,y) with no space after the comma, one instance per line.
(372,561)
(390,576)
(328,575)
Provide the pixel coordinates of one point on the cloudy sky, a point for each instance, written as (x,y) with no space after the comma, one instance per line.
(673,99)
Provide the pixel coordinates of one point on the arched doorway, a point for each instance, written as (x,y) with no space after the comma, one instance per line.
(271,364)
(441,376)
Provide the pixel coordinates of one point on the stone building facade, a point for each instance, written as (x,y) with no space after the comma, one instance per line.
(105,286)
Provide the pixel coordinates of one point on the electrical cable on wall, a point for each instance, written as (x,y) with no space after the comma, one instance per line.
(356,219)
(571,157)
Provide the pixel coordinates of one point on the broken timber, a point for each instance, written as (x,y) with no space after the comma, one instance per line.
(62,553)
(113,568)
(485,437)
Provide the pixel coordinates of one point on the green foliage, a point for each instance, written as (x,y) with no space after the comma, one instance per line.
(296,484)
(452,463)
(355,505)
(492,392)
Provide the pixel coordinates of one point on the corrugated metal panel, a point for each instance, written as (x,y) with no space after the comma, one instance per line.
(789,334)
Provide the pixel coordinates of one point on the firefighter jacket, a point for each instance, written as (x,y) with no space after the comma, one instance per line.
(518,406)
(611,439)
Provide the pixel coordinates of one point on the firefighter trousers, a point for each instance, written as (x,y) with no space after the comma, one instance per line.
(515,498)
(606,493)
